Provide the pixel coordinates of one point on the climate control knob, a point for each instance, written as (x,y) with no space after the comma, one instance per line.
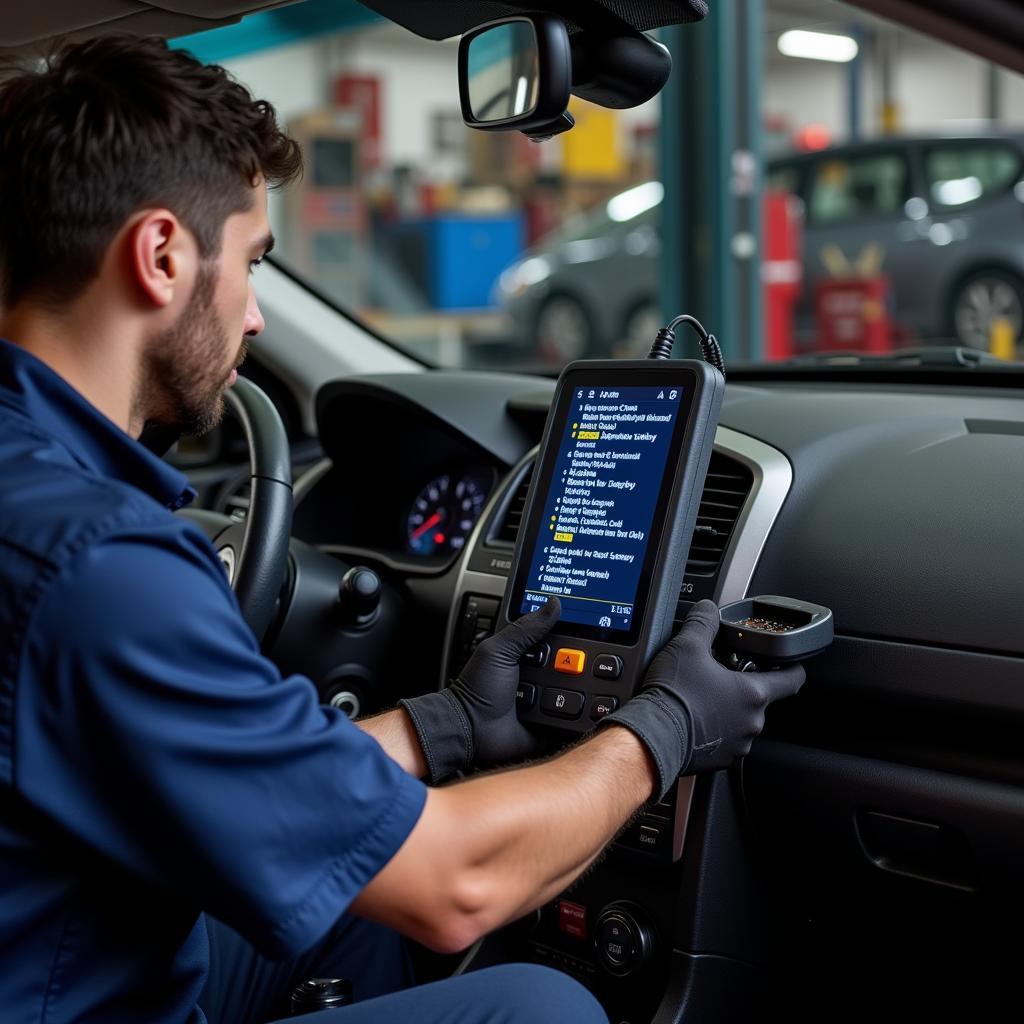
(624,938)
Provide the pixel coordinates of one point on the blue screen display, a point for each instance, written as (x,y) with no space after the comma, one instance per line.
(600,503)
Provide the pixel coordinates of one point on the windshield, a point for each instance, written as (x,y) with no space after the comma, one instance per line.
(861,191)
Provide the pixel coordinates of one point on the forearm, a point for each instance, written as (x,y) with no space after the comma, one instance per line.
(394,732)
(488,850)
(530,833)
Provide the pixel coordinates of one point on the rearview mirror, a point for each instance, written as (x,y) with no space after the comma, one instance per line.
(503,72)
(515,74)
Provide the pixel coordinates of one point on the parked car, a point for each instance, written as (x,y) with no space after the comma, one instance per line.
(591,287)
(944,214)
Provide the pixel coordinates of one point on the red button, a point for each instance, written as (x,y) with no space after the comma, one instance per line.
(572,919)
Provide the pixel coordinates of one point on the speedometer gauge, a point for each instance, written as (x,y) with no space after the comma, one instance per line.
(445,512)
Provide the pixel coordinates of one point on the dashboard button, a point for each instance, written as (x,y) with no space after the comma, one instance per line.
(526,694)
(601,706)
(572,919)
(570,661)
(624,939)
(607,666)
(537,655)
(651,835)
(616,943)
(564,703)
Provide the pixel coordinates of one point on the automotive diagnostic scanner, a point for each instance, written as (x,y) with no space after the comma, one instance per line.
(607,527)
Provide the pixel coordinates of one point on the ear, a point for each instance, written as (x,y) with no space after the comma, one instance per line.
(163,257)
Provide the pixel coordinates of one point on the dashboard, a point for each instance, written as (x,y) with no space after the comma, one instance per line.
(403,481)
(434,519)
(444,511)
(896,497)
(890,791)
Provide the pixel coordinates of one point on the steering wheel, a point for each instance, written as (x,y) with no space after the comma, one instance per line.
(255,553)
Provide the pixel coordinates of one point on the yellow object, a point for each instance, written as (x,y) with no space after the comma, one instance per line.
(592,149)
(869,262)
(890,119)
(590,435)
(565,538)
(836,263)
(1000,339)
(570,661)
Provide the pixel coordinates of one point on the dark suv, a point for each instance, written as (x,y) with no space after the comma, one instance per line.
(944,215)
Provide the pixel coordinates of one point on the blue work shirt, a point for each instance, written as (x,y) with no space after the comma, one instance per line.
(153,764)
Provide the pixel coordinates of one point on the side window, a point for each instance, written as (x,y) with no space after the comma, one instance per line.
(961,174)
(783,178)
(851,188)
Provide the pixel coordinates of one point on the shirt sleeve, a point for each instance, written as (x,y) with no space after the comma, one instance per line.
(155,731)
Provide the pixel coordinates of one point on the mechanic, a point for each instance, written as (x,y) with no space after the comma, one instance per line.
(184,834)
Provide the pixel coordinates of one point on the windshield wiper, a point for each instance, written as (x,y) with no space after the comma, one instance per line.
(938,355)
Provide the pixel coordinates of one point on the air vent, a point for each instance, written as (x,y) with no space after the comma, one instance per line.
(513,518)
(726,489)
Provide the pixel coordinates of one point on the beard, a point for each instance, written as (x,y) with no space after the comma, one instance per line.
(183,377)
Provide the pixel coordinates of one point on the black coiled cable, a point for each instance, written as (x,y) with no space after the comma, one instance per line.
(665,339)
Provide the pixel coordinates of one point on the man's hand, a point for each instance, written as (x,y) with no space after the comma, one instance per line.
(474,720)
(694,714)
(524,835)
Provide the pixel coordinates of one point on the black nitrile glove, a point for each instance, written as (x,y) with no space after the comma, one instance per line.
(694,714)
(474,720)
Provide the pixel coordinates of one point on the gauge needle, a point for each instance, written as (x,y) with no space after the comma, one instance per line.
(423,527)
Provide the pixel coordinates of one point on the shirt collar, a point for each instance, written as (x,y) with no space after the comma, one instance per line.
(32,389)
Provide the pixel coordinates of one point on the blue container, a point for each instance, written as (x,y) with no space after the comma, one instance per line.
(461,255)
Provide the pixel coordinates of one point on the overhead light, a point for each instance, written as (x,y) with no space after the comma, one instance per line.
(818,46)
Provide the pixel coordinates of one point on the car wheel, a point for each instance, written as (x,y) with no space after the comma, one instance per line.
(982,299)
(642,324)
(564,330)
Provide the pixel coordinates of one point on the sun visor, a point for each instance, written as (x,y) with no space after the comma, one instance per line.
(441,19)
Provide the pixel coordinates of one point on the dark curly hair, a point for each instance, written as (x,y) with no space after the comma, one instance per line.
(108,127)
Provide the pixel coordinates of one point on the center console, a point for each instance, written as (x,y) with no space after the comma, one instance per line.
(639,924)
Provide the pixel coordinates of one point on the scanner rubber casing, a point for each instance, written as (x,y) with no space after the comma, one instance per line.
(669,565)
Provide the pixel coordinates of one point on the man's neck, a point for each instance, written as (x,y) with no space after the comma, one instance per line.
(81,350)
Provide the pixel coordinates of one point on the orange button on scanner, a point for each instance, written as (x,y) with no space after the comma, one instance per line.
(570,661)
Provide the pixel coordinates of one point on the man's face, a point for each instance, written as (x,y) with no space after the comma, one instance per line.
(187,368)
